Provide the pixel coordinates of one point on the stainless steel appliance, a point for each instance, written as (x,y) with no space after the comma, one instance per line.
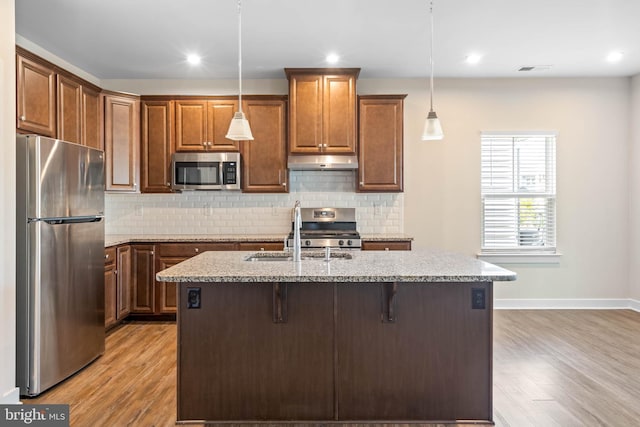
(327,227)
(59,260)
(205,171)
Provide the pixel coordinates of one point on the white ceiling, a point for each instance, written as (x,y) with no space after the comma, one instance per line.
(144,39)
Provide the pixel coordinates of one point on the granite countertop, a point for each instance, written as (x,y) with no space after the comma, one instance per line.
(120,239)
(424,265)
(112,239)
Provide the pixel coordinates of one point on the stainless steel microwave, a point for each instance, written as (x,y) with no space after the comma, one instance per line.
(205,171)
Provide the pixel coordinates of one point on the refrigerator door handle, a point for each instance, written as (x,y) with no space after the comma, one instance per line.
(75,220)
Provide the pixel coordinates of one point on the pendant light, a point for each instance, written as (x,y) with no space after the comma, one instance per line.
(239,129)
(432,128)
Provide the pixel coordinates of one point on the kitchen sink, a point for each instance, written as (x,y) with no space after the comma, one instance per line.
(288,256)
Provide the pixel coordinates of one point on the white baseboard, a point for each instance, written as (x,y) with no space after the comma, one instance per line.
(556,304)
(11,397)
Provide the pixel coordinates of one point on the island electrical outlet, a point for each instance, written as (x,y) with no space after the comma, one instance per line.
(193,297)
(478,299)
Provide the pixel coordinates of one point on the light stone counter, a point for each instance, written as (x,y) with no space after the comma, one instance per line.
(113,240)
(424,265)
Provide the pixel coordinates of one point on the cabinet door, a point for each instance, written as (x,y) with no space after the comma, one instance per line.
(305,113)
(157,146)
(91,118)
(143,279)
(36,97)
(191,125)
(69,109)
(380,159)
(110,290)
(250,358)
(264,159)
(219,115)
(122,130)
(124,282)
(166,292)
(410,372)
(339,115)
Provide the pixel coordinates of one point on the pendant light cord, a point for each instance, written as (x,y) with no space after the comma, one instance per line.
(431,58)
(240,55)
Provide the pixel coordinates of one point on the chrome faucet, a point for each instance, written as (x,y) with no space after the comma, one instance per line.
(297,225)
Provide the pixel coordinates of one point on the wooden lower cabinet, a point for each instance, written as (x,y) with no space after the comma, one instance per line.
(110,290)
(123,302)
(241,365)
(143,279)
(384,245)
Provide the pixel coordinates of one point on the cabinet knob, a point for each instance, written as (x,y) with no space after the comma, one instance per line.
(197,250)
(168,184)
(23,118)
(106,256)
(386,249)
(361,182)
(284,184)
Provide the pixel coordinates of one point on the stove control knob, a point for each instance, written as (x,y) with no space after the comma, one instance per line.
(307,242)
(349,243)
(341,242)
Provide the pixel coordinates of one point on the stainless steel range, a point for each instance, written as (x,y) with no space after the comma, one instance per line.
(322,227)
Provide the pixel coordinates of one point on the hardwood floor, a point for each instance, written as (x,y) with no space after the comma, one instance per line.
(551,368)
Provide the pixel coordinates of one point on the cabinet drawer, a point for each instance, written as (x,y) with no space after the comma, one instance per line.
(261,246)
(387,246)
(192,249)
(110,256)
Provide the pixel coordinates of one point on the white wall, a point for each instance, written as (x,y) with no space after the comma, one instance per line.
(442,199)
(634,193)
(442,191)
(8,391)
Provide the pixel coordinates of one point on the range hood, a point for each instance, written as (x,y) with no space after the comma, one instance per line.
(322,162)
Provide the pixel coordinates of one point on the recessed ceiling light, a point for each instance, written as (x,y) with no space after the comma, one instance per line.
(332,58)
(473,58)
(193,59)
(615,56)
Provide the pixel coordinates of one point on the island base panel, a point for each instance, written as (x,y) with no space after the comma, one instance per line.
(343,351)
(236,363)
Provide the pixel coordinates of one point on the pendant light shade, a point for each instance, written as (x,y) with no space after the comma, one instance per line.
(432,127)
(239,129)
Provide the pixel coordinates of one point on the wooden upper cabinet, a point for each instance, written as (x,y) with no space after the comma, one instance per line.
(157,146)
(122,130)
(201,125)
(36,97)
(380,156)
(219,115)
(322,110)
(69,109)
(91,118)
(264,159)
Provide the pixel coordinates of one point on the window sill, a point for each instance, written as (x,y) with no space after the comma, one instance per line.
(511,258)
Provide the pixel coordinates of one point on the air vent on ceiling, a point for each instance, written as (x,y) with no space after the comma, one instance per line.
(535,68)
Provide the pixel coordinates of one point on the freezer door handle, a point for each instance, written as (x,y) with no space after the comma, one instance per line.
(76,220)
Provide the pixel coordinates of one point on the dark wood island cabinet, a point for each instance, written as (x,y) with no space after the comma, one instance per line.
(383,337)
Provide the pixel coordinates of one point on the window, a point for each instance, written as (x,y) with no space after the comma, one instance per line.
(518,187)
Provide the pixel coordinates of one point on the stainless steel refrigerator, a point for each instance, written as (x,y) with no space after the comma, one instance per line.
(60,260)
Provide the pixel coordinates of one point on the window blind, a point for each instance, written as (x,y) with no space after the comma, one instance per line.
(518,188)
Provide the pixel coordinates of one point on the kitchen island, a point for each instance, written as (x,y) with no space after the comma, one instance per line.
(383,336)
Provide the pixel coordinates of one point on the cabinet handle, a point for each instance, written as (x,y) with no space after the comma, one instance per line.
(389,291)
(23,118)
(279,303)
(361,182)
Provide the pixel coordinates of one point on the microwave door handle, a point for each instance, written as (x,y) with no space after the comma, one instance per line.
(221,171)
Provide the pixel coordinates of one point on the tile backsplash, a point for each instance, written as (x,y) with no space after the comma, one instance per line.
(211,212)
